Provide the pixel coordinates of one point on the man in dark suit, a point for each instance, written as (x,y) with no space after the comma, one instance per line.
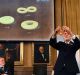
(4,68)
(66,62)
(6,63)
(41,56)
(9,63)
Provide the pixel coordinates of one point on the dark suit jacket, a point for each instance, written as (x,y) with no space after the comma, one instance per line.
(39,59)
(66,58)
(9,66)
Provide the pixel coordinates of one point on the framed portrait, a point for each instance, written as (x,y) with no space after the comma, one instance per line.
(41,52)
(14,50)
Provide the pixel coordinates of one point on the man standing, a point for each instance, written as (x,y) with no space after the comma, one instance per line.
(66,63)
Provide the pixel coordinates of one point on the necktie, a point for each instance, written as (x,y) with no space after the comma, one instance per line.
(43,56)
(71,42)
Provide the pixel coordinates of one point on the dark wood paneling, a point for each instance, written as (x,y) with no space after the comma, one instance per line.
(28,71)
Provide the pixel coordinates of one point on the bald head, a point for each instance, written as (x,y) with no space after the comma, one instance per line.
(41,49)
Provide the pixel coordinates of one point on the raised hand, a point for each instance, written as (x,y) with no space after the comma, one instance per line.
(58,30)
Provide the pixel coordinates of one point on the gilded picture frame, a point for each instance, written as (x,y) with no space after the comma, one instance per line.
(20,62)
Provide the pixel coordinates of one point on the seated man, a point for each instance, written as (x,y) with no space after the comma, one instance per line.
(3,69)
(6,64)
(9,63)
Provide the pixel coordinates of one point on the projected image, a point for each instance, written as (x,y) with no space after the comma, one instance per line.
(29,25)
(26,20)
(6,20)
(23,10)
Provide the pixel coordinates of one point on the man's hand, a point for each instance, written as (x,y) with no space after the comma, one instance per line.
(57,31)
